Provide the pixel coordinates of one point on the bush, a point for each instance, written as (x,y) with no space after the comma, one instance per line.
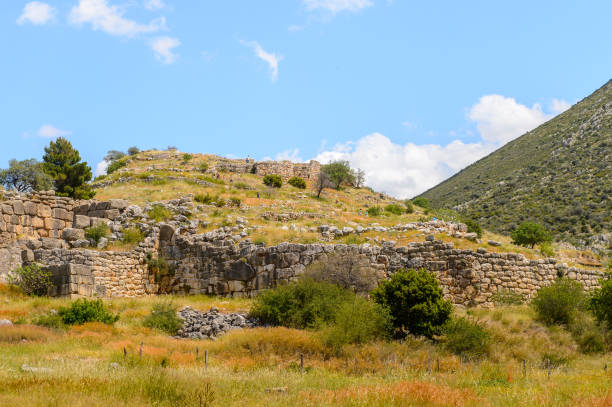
(395,209)
(187,157)
(473,227)
(530,234)
(409,206)
(50,321)
(559,302)
(32,280)
(133,150)
(241,185)
(414,299)
(159,213)
(547,250)
(422,202)
(374,211)
(588,335)
(297,182)
(203,167)
(84,310)
(466,338)
(97,232)
(234,201)
(357,321)
(132,235)
(600,303)
(302,304)
(165,318)
(273,180)
(115,165)
(203,199)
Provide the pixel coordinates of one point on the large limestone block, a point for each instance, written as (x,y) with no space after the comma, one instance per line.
(6,209)
(118,204)
(165,232)
(62,214)
(18,208)
(81,221)
(54,224)
(44,211)
(239,270)
(30,208)
(71,234)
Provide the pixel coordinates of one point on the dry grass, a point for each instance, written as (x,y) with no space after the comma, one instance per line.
(24,333)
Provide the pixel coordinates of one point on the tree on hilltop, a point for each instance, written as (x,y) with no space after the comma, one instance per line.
(530,234)
(339,173)
(70,176)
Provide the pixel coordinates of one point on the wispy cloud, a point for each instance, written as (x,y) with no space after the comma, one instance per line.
(336,6)
(109,19)
(271,59)
(49,131)
(163,46)
(36,13)
(154,4)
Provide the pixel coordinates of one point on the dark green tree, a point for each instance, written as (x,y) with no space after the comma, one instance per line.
(70,176)
(339,173)
(114,155)
(414,299)
(133,150)
(530,234)
(600,303)
(25,176)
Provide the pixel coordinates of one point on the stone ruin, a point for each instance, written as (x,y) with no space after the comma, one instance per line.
(50,230)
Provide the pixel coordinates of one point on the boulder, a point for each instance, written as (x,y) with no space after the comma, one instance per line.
(118,204)
(72,234)
(166,232)
(494,243)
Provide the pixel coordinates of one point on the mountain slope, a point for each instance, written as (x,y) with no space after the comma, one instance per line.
(559,174)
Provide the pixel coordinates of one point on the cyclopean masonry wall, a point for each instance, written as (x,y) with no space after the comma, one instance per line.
(286,169)
(219,263)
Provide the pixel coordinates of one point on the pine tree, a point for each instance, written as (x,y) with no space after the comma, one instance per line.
(70,176)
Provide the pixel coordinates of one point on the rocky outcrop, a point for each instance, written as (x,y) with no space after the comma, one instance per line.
(211,324)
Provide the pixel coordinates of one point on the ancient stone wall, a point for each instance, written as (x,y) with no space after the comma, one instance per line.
(286,169)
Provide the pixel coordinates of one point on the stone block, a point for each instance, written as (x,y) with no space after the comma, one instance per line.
(30,208)
(81,221)
(118,204)
(72,234)
(18,208)
(6,209)
(44,211)
(37,222)
(165,232)
(54,224)
(239,270)
(61,214)
(111,214)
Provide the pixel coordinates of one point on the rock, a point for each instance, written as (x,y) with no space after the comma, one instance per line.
(347,230)
(133,211)
(166,232)
(31,369)
(118,203)
(50,243)
(211,324)
(494,243)
(81,221)
(102,243)
(5,322)
(471,236)
(71,234)
(80,243)
(429,238)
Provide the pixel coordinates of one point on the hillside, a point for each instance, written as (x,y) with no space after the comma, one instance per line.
(558,174)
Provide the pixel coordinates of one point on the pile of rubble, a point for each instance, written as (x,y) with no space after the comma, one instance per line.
(211,324)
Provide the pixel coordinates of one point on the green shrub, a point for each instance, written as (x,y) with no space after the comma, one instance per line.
(374,211)
(302,304)
(559,302)
(473,227)
(422,202)
(115,165)
(600,303)
(273,180)
(32,280)
(84,310)
(547,250)
(235,201)
(588,335)
(165,318)
(53,321)
(507,297)
(297,182)
(241,185)
(97,232)
(133,235)
(414,299)
(133,150)
(409,206)
(187,157)
(203,198)
(530,234)
(357,321)
(395,209)
(467,338)
(159,213)
(203,167)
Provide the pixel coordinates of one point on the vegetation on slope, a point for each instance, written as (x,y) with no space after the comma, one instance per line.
(557,175)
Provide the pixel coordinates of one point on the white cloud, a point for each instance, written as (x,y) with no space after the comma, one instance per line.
(163,46)
(336,6)
(407,170)
(109,19)
(559,106)
(404,170)
(49,131)
(271,59)
(101,168)
(287,155)
(500,119)
(36,13)
(154,4)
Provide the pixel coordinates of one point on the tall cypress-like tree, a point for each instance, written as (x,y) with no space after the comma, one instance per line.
(70,176)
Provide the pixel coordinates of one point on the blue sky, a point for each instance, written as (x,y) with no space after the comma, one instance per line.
(409,91)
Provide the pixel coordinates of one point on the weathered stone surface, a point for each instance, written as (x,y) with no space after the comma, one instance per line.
(165,232)
(211,324)
(118,203)
(71,234)
(81,221)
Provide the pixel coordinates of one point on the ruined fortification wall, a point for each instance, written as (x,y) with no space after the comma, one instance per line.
(217,263)
(286,169)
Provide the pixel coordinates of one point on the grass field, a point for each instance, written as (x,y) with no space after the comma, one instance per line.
(85,365)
